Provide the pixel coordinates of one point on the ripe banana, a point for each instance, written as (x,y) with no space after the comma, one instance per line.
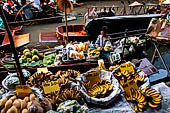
(152,105)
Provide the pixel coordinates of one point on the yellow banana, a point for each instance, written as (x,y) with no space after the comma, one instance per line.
(153,105)
(155,94)
(144,90)
(149,91)
(140,109)
(136,108)
(110,87)
(104,90)
(142,99)
(140,105)
(157,99)
(156,102)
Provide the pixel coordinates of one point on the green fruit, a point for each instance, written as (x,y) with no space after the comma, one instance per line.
(28,55)
(29,60)
(49,62)
(53,56)
(41,56)
(33,62)
(22,56)
(34,52)
(35,58)
(26,50)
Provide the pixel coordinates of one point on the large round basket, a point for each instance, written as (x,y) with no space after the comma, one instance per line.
(104,75)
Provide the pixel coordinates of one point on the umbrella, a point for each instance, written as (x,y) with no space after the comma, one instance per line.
(167,2)
(135,4)
(67,7)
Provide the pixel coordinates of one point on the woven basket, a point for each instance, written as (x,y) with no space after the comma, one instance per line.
(104,75)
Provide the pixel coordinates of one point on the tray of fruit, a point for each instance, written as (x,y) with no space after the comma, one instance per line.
(102,92)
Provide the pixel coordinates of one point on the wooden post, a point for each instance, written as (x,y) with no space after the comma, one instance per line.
(12,44)
(65,14)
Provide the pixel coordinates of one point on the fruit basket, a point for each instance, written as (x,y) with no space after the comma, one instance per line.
(109,88)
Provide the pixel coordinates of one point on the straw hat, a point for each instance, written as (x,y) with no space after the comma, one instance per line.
(135,4)
(67,3)
(166,2)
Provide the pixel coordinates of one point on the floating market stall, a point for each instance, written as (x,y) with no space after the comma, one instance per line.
(76,79)
(79,77)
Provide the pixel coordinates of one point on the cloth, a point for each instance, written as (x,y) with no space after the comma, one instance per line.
(36,4)
(104,54)
(100,42)
(1,23)
(27,11)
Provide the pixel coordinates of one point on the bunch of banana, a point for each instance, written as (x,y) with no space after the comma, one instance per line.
(102,66)
(37,79)
(87,85)
(123,75)
(94,52)
(69,74)
(139,78)
(139,100)
(111,68)
(153,97)
(65,94)
(101,89)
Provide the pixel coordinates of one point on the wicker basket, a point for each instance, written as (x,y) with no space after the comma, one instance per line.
(104,75)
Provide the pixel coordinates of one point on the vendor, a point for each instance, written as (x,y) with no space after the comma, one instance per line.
(102,38)
(101,42)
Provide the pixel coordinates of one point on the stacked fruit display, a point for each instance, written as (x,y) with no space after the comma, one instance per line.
(15,104)
(140,97)
(63,78)
(31,56)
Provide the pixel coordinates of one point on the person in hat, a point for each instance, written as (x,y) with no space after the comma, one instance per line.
(102,38)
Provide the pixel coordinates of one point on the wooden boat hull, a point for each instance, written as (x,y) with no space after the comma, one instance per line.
(37,21)
(76,33)
(119,23)
(4,37)
(19,40)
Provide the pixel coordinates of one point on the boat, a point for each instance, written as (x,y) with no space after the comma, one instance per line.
(19,40)
(37,21)
(75,33)
(132,20)
(2,32)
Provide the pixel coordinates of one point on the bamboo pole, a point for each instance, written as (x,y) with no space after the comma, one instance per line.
(12,45)
(65,14)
